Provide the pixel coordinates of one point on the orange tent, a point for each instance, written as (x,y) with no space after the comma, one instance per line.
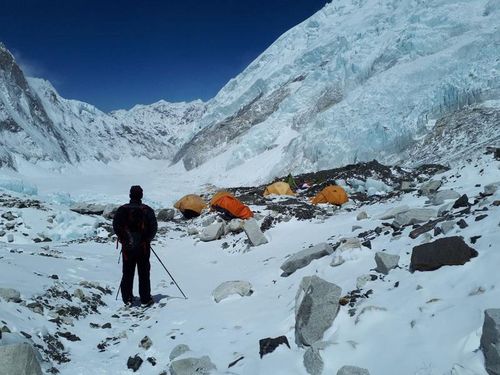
(331,194)
(232,207)
(190,205)
(278,188)
(220,194)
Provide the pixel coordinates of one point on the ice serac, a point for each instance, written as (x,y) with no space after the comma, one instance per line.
(37,124)
(356,81)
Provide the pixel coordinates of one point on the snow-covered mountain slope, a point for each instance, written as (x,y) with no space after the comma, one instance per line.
(358,80)
(400,323)
(37,124)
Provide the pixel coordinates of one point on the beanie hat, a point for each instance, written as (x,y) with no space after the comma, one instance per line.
(135,192)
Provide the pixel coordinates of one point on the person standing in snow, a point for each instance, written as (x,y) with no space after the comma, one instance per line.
(135,225)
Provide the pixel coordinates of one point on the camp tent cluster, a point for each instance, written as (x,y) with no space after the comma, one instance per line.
(231,207)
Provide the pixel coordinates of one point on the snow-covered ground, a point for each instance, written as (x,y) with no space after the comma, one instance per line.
(411,323)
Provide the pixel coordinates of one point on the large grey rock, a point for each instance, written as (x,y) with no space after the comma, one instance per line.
(19,359)
(165,214)
(491,189)
(415,215)
(313,362)
(390,214)
(88,208)
(192,366)
(316,306)
(448,251)
(304,257)
(9,216)
(490,341)
(110,211)
(10,295)
(447,226)
(213,232)
(441,196)
(445,208)
(146,343)
(386,262)
(253,232)
(352,370)
(362,215)
(228,288)
(235,225)
(362,280)
(178,351)
(430,187)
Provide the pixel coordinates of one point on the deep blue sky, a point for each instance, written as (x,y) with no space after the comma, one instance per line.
(121,53)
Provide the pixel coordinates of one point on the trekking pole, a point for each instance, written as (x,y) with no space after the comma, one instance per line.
(118,291)
(175,282)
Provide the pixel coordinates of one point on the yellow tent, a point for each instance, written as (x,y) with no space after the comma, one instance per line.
(279,188)
(331,194)
(219,195)
(190,204)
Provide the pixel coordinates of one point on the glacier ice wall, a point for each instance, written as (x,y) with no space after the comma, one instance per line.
(358,80)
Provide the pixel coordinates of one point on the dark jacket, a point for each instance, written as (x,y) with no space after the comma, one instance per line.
(135,224)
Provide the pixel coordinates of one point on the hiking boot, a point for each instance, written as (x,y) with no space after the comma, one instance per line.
(148,303)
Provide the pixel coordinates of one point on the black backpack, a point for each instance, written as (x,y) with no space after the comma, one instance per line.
(135,226)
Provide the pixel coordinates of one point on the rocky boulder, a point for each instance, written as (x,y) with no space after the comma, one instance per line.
(10,295)
(17,359)
(414,216)
(235,226)
(313,362)
(448,251)
(212,232)
(110,211)
(385,262)
(228,288)
(88,208)
(304,257)
(441,196)
(192,366)
(430,187)
(253,232)
(316,306)
(178,351)
(390,214)
(352,370)
(490,341)
(165,214)
(491,189)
